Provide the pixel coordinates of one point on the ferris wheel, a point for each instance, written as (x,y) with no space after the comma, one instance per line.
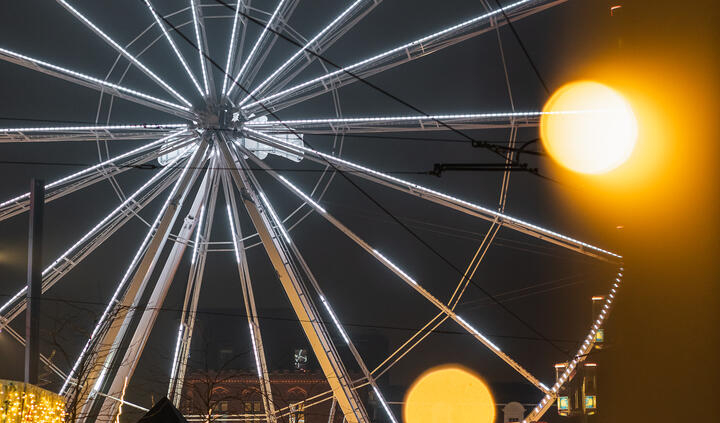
(222,134)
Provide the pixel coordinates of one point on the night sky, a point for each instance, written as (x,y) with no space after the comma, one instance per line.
(661,215)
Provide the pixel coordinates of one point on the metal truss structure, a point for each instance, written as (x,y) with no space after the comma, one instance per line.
(222,126)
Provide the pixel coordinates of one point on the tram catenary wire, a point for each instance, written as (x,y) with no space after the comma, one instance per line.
(276,318)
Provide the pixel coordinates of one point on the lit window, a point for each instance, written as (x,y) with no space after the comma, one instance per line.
(563,403)
(590,402)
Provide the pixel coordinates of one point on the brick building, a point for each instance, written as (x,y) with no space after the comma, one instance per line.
(299,397)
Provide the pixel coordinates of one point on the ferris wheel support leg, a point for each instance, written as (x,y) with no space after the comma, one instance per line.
(192,295)
(249,301)
(150,311)
(313,281)
(268,227)
(144,263)
(404,276)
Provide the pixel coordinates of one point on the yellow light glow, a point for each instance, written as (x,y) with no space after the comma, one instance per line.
(449,394)
(25,403)
(590,129)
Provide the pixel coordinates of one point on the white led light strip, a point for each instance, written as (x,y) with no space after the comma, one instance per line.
(197,234)
(303,195)
(198,41)
(233,34)
(274,216)
(137,127)
(255,47)
(129,56)
(300,52)
(419,117)
(173,369)
(347,341)
(422,190)
(93,80)
(388,53)
(234,236)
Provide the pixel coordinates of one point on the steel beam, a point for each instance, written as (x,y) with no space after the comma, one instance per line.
(249,301)
(151,310)
(192,296)
(398,123)
(97,84)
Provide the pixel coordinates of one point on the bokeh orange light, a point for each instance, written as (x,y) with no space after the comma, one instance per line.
(449,394)
(588,127)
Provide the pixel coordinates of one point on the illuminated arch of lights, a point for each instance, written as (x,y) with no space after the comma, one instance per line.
(220,128)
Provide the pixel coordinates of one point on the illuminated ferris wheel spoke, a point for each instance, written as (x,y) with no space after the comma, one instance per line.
(87,132)
(170,41)
(124,52)
(433,196)
(249,301)
(317,44)
(86,244)
(396,56)
(202,49)
(90,176)
(95,83)
(398,123)
(401,274)
(280,15)
(227,75)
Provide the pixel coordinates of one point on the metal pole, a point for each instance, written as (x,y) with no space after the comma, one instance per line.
(34,281)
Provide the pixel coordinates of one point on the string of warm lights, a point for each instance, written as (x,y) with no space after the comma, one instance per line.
(25,403)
